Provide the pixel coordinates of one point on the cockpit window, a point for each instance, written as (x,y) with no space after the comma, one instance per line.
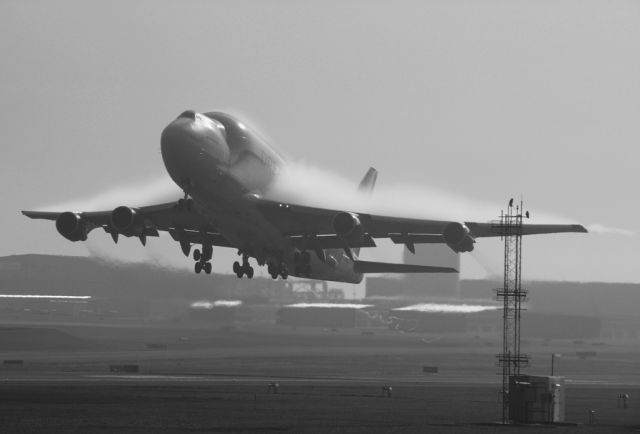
(239,135)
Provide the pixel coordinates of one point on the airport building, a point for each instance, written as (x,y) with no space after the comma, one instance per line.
(333,315)
(432,322)
(554,310)
(144,293)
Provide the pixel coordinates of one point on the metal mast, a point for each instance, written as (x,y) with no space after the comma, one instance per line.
(512,295)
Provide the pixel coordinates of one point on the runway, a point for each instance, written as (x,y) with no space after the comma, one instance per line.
(172,404)
(76,378)
(219,381)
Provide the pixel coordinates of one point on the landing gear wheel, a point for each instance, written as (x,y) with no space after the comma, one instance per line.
(238,269)
(244,269)
(196,255)
(198,267)
(207,268)
(284,273)
(273,271)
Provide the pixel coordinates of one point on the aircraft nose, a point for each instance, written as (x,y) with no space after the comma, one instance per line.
(192,132)
(177,141)
(193,144)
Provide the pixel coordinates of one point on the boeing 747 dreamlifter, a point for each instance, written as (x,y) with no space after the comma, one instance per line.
(224,168)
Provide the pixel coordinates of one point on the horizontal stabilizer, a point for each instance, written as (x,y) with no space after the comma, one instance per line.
(383,267)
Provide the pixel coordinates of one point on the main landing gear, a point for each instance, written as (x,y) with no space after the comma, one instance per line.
(302,261)
(202,259)
(276,270)
(274,266)
(244,269)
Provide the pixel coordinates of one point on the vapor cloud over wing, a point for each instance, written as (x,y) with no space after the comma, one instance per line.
(297,183)
(304,184)
(597,228)
(138,194)
(161,252)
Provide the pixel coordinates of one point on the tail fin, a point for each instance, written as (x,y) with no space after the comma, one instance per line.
(369,181)
(366,186)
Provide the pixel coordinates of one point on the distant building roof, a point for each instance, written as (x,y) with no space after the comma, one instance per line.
(330,305)
(447,308)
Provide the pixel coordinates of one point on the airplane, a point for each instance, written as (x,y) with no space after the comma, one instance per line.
(224,169)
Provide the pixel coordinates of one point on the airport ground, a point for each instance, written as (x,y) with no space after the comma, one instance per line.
(217,379)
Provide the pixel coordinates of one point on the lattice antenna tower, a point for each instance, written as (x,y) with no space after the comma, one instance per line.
(512,295)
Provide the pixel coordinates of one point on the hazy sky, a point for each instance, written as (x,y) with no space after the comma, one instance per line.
(475,101)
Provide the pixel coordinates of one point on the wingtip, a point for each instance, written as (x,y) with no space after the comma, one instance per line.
(30,213)
(580,228)
(40,214)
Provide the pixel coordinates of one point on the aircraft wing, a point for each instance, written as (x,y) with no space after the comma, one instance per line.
(179,219)
(296,220)
(489,229)
(319,228)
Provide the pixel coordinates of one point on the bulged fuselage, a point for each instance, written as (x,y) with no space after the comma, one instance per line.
(221,164)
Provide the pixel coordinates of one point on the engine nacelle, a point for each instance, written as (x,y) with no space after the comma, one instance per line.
(72,226)
(347,225)
(127,221)
(457,236)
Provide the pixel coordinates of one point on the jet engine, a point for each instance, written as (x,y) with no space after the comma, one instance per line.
(127,221)
(457,236)
(72,226)
(347,225)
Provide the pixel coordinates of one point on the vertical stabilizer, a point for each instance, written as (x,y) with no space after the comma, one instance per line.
(369,181)
(366,187)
